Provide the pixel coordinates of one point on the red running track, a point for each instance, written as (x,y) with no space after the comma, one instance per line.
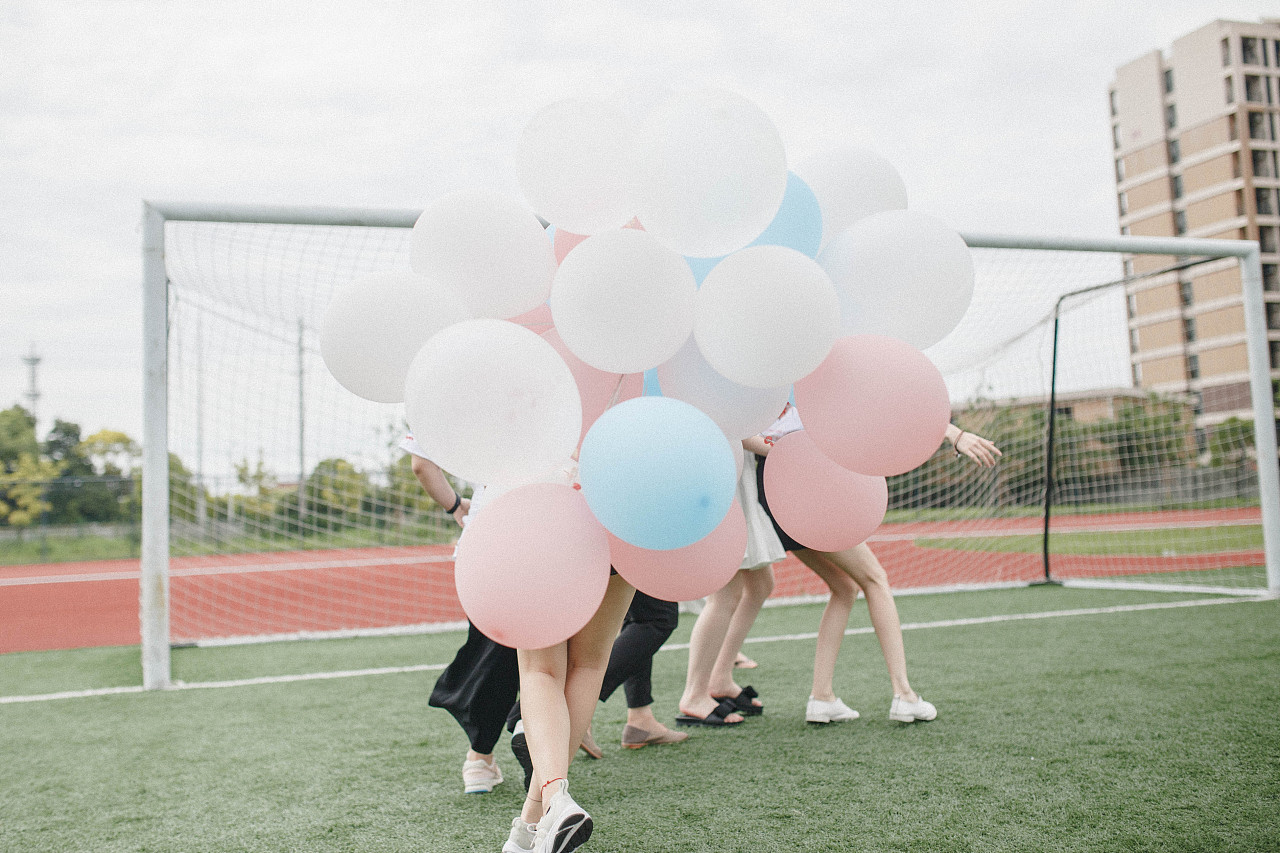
(77,605)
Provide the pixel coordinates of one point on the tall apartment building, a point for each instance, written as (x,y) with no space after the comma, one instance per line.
(1195,136)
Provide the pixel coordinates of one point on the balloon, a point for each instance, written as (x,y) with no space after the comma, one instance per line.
(532,569)
(652,388)
(900,273)
(739,410)
(622,302)
(683,574)
(489,248)
(657,472)
(712,172)
(492,402)
(797,225)
(576,165)
(597,389)
(375,325)
(818,503)
(851,183)
(538,320)
(766,316)
(876,405)
(563,243)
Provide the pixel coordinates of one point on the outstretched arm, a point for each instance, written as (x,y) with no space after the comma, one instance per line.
(441,491)
(979,449)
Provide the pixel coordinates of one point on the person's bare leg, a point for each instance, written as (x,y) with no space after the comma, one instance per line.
(704,645)
(861,564)
(835,619)
(546,718)
(757,586)
(589,658)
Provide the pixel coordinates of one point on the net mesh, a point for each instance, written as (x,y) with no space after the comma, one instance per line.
(293,510)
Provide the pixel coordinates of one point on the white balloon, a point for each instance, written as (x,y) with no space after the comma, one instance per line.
(489,248)
(576,165)
(492,402)
(712,172)
(766,316)
(900,273)
(374,326)
(851,183)
(622,302)
(739,410)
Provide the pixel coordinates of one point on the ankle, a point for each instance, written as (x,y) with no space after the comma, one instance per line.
(486,757)
(823,696)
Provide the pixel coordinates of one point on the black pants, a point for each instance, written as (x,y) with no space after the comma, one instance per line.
(479,688)
(647,625)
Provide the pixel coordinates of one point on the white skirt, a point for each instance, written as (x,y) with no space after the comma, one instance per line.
(764,548)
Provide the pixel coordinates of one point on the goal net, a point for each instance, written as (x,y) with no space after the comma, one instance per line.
(292,512)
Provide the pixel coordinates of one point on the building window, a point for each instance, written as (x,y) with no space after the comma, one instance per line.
(1253,91)
(1235,164)
(1273,316)
(1193,366)
(1175,151)
(1249,54)
(1180,222)
(1137,375)
(1114,111)
(1128,267)
(1176,180)
(1229,89)
(1189,329)
(1170,116)
(1259,127)
(1263,201)
(1262,164)
(1271,277)
(1275,354)
(1233,132)
(1226,52)
(1185,293)
(1239,202)
(1168,80)
(1131,303)
(1115,136)
(1269,239)
(1133,341)
(1123,204)
(1119,169)
(1124,230)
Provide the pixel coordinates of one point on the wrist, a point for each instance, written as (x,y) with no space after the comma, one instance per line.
(457,502)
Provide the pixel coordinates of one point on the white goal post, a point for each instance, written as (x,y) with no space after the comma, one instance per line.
(160,369)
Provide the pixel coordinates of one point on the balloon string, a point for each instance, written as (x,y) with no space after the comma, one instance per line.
(616,391)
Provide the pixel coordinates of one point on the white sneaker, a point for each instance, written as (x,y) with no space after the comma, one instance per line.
(565,826)
(479,776)
(908,712)
(521,838)
(835,711)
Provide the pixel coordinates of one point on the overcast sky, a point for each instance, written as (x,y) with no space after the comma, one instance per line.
(995,114)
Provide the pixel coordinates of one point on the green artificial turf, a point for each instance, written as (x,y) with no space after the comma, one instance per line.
(1148,730)
(1168,541)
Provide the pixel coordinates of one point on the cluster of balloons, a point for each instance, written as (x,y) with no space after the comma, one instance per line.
(682,247)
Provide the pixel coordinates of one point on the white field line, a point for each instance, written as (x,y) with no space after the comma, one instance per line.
(1125,527)
(671,647)
(196,571)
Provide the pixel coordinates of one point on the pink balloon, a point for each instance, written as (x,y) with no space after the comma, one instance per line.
(693,571)
(876,405)
(564,241)
(598,389)
(537,321)
(532,567)
(822,505)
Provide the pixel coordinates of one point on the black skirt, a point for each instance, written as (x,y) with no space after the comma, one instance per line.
(787,542)
(478,688)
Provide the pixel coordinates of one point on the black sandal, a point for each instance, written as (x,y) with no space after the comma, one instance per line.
(742,702)
(715,719)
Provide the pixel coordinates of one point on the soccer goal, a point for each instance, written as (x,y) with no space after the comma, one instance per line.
(277,505)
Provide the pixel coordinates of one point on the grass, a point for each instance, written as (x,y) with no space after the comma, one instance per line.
(1168,541)
(1139,731)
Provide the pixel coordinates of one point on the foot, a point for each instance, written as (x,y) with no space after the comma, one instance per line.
(744,662)
(908,712)
(835,711)
(565,826)
(480,776)
(521,838)
(520,749)
(722,714)
(588,746)
(634,737)
(707,708)
(745,698)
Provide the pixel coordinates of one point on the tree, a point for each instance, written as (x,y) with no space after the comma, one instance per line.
(335,491)
(17,436)
(23,489)
(1231,442)
(111,452)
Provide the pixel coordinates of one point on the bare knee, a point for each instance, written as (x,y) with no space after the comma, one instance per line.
(843,590)
(759,585)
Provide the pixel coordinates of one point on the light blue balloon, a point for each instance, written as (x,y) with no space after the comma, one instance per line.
(797,225)
(652,387)
(657,472)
